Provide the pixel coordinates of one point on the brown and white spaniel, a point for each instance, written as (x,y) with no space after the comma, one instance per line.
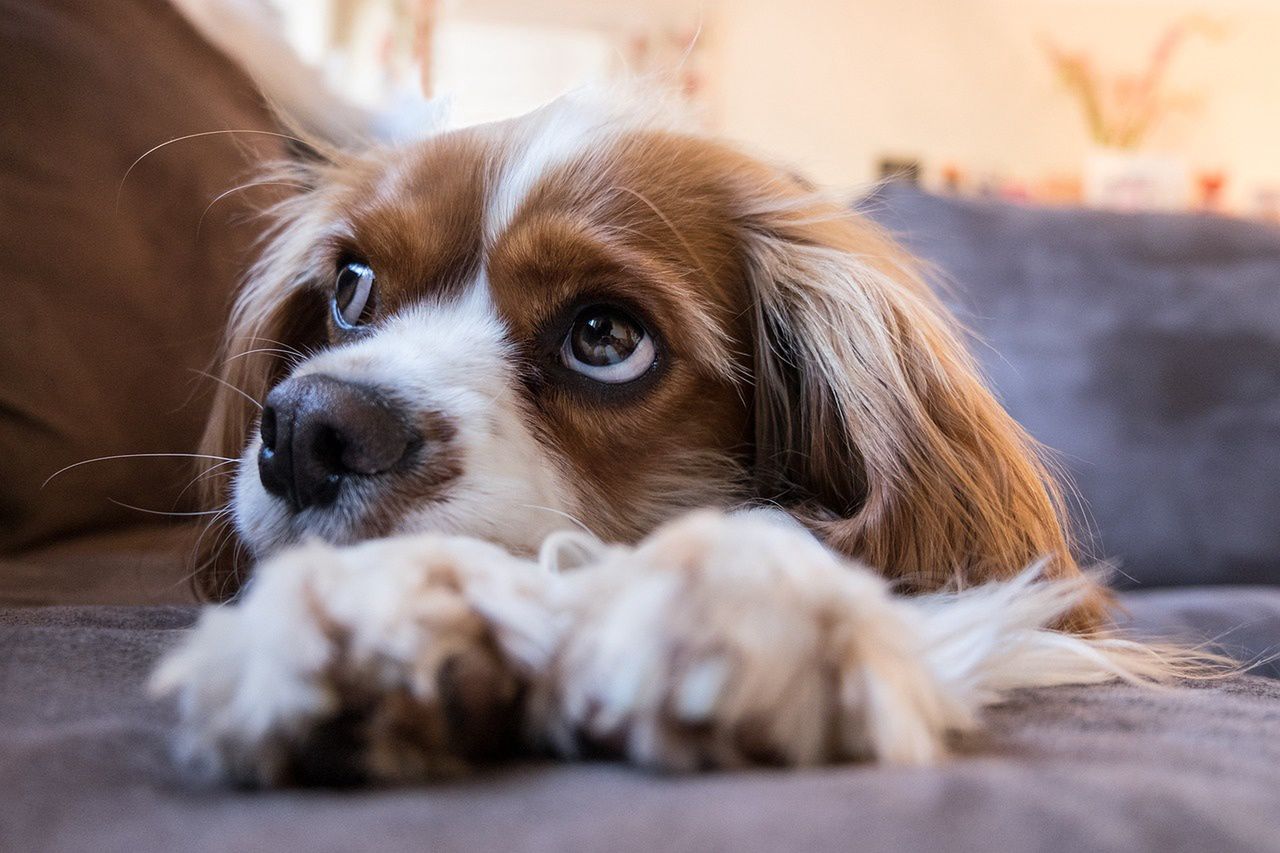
(583,433)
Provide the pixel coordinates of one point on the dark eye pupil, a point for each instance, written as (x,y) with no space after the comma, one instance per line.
(604,336)
(353,295)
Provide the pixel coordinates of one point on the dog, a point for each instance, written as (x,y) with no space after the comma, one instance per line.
(587,434)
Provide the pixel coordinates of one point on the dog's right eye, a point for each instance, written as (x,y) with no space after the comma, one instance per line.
(353,296)
(608,345)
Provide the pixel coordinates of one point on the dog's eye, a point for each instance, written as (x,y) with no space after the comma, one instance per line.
(608,345)
(353,296)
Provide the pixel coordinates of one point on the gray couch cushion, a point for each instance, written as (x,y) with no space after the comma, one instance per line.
(84,765)
(1145,349)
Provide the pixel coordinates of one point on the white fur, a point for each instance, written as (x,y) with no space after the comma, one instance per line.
(718,641)
(550,137)
(453,358)
(577,124)
(251,678)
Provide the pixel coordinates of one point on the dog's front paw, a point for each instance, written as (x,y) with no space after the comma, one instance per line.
(728,641)
(393,660)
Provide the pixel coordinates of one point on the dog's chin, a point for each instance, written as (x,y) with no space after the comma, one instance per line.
(266,523)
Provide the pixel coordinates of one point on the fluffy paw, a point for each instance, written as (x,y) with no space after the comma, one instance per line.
(392,660)
(728,641)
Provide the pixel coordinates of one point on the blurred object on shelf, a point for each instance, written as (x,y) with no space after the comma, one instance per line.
(1135,180)
(492,60)
(1210,186)
(375,52)
(1059,189)
(952,179)
(1266,204)
(896,168)
(1121,109)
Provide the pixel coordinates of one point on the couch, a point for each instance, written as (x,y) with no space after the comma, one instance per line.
(1145,349)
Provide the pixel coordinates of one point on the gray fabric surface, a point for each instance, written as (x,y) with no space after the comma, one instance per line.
(1242,622)
(1145,349)
(84,765)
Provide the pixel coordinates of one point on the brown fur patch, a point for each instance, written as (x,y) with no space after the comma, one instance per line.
(417,218)
(645,222)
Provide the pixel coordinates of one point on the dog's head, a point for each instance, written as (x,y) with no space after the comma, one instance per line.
(581,316)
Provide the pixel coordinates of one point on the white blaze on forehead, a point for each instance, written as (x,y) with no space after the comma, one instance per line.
(545,140)
(575,124)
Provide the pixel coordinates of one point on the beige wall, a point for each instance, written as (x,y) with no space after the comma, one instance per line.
(831,86)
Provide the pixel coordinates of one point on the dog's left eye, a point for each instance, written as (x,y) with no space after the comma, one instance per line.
(353,296)
(608,345)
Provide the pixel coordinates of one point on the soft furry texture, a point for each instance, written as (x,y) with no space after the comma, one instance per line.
(805,363)
(799,373)
(718,642)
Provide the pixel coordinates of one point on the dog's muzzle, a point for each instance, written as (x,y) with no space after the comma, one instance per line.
(318,431)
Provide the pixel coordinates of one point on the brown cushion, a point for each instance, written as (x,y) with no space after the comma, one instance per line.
(109,304)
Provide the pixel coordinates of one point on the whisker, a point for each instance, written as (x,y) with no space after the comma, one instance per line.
(163,512)
(576,521)
(226,384)
(155,148)
(220,196)
(223,532)
(292,353)
(206,473)
(133,456)
(237,559)
(290,347)
(199,566)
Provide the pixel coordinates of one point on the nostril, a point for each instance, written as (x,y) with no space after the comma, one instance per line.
(327,448)
(268,427)
(320,470)
(318,432)
(275,462)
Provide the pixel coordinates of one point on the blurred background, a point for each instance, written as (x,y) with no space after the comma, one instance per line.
(1129,104)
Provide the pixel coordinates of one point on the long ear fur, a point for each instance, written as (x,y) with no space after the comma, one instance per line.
(276,319)
(871,420)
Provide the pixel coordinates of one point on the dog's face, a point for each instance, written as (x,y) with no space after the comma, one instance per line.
(574,317)
(522,324)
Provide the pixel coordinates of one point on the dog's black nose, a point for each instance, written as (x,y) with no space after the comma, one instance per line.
(317,430)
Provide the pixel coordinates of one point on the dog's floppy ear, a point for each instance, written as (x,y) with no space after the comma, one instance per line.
(278,317)
(872,423)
